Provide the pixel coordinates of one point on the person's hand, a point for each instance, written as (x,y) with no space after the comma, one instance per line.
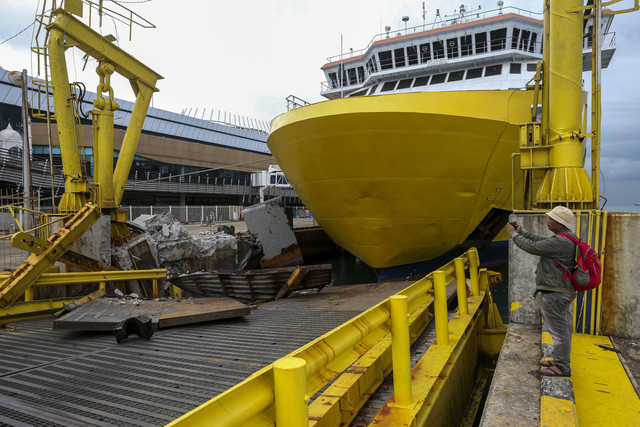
(512,229)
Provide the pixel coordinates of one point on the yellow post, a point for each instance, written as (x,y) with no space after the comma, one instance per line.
(73,199)
(566,181)
(102,285)
(155,288)
(400,350)
(103,136)
(28,294)
(473,271)
(290,390)
(461,283)
(440,308)
(131,138)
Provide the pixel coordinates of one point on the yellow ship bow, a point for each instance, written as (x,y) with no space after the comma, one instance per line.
(402,178)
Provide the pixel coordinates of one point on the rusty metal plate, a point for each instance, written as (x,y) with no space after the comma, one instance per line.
(103,314)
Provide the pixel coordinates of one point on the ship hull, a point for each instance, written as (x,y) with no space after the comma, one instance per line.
(402,178)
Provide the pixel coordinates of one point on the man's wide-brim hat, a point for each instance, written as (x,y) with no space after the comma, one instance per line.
(563,215)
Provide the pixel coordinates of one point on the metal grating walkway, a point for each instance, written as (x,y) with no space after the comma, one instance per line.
(50,378)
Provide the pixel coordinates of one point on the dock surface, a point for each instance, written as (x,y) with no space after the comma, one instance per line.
(71,378)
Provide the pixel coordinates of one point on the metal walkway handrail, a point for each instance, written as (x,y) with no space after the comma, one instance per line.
(353,359)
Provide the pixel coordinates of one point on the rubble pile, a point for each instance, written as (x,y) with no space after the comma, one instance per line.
(179,252)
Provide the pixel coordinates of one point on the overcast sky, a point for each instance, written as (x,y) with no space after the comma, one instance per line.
(246,57)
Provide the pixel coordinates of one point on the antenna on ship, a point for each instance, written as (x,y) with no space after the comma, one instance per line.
(387,29)
(500,4)
(405,19)
(424,16)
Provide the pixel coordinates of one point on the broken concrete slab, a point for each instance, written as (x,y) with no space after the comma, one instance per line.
(270,223)
(105,313)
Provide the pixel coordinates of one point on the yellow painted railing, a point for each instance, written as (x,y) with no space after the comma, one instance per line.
(352,360)
(587,308)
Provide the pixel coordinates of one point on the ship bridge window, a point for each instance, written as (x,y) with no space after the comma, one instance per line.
(333,77)
(373,89)
(474,73)
(385,60)
(466,47)
(524,40)
(454,76)
(421,81)
(352,76)
(532,67)
(498,39)
(404,83)
(532,45)
(514,38)
(399,57)
(452,48)
(481,42)
(438,49)
(388,86)
(493,70)
(372,66)
(412,54)
(438,78)
(360,74)
(425,52)
(515,68)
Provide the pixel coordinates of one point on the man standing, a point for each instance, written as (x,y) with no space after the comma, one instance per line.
(556,289)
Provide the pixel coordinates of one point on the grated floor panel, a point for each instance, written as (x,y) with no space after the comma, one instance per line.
(78,378)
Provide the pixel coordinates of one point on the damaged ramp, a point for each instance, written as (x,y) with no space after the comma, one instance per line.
(103,314)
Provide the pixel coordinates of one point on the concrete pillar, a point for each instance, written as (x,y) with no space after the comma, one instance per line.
(522,272)
(620,290)
(183,199)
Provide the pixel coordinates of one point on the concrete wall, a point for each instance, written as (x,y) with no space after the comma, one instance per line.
(621,284)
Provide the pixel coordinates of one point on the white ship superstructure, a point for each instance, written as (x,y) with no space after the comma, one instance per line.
(475,50)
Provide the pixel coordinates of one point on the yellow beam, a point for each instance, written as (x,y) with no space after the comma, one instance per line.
(37,264)
(48,279)
(84,38)
(26,310)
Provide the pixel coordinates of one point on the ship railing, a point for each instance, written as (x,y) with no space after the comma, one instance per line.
(342,368)
(468,16)
(294,102)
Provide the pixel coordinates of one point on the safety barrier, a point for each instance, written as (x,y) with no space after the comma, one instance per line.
(351,361)
(587,307)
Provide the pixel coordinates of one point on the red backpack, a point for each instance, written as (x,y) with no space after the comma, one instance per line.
(587,274)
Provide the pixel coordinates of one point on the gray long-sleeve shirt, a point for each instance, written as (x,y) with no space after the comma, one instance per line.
(550,277)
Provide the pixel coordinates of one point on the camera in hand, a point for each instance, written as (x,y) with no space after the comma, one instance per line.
(513,224)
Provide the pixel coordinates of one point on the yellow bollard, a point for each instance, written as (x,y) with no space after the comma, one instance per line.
(102,285)
(461,285)
(400,350)
(473,271)
(440,308)
(290,389)
(28,294)
(156,292)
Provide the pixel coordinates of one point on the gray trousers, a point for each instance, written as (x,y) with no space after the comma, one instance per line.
(556,313)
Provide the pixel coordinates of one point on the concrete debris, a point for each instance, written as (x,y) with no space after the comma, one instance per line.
(269,221)
(179,252)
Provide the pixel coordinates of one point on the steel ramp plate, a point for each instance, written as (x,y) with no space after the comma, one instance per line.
(104,313)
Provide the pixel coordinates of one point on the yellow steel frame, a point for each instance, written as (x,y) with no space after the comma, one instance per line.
(355,358)
(50,251)
(64,32)
(33,308)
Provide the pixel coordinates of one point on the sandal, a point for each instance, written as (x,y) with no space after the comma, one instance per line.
(553,371)
(546,363)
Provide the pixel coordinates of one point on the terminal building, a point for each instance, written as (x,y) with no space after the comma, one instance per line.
(181,160)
